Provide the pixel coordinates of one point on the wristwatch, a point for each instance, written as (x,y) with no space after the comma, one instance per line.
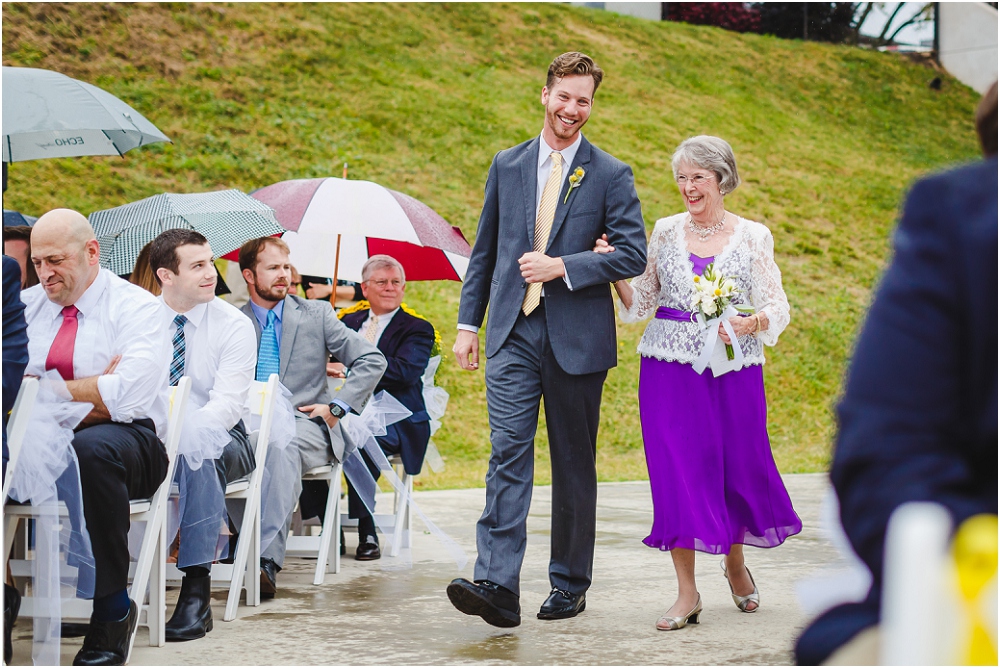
(337,411)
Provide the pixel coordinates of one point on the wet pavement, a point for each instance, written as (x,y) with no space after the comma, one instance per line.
(384,612)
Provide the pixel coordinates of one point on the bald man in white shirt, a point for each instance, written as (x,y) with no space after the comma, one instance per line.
(214,345)
(103,336)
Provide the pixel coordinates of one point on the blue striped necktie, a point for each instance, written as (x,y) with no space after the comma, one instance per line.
(180,348)
(268,361)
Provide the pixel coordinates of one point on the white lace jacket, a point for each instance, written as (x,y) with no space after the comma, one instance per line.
(748,257)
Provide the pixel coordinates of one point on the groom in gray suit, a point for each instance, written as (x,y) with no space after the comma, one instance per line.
(551,334)
(295,339)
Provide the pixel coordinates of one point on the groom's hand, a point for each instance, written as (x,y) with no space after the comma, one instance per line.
(467,349)
(540,268)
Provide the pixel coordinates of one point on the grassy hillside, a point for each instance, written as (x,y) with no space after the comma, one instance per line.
(419,97)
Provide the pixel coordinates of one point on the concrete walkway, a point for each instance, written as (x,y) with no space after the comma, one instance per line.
(380,613)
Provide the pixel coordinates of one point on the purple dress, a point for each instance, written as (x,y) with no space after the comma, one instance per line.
(712,476)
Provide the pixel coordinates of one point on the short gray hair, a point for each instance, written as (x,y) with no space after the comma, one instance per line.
(713,154)
(376,262)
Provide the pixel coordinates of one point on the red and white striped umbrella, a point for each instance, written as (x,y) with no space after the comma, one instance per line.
(363,219)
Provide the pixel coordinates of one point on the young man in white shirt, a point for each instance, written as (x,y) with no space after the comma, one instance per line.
(214,345)
(103,336)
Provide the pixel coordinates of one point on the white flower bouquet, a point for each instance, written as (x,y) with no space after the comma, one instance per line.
(713,305)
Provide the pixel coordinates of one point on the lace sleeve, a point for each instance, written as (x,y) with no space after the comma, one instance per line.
(766,292)
(646,288)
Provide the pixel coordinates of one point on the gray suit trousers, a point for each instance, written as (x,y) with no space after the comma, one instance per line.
(521,373)
(315,449)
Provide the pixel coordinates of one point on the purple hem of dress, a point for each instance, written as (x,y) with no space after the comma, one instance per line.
(751,541)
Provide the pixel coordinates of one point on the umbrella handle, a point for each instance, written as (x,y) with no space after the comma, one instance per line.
(336,270)
(336,261)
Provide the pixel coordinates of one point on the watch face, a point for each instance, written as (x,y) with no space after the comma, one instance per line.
(337,411)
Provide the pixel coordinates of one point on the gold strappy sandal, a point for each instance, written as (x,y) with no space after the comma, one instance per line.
(742,601)
(665,623)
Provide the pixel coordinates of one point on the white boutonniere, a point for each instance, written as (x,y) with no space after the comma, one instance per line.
(575,179)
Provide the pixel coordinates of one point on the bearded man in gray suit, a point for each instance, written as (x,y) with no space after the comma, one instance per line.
(551,333)
(295,339)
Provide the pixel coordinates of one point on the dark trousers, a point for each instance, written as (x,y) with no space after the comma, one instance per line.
(522,373)
(118,462)
(237,461)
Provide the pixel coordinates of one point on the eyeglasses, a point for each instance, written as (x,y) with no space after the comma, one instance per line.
(382,282)
(697,179)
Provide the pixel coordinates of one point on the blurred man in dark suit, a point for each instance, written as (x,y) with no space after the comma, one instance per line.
(15,359)
(918,421)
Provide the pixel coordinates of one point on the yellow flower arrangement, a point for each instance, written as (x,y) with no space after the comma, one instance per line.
(364,305)
(575,181)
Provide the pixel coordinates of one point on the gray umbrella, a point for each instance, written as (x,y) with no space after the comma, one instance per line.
(227,218)
(49,115)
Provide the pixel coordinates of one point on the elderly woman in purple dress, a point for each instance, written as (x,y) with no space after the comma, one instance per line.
(714,483)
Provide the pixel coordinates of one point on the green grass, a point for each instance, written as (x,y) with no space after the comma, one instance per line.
(419,97)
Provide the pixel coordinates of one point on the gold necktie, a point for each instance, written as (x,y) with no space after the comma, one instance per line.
(543,227)
(371,331)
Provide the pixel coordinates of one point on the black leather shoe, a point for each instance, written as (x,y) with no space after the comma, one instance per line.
(343,544)
(562,604)
(368,549)
(73,629)
(497,605)
(106,643)
(192,617)
(11,606)
(268,577)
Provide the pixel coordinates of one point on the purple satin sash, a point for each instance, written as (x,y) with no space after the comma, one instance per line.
(667,313)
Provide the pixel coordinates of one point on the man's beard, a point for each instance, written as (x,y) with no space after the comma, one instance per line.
(272,294)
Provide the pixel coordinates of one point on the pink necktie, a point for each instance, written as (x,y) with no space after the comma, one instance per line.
(61,353)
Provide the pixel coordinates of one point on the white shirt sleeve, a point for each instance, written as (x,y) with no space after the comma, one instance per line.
(236,367)
(141,374)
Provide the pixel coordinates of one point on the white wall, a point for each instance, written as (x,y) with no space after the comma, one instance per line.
(642,10)
(967,37)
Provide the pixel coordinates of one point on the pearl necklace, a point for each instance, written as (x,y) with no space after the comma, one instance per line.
(705,232)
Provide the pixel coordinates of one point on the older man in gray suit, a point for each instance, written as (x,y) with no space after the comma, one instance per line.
(295,339)
(551,333)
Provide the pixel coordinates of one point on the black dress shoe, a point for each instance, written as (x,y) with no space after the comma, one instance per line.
(192,617)
(343,544)
(73,629)
(268,577)
(368,549)
(11,606)
(562,604)
(106,643)
(497,605)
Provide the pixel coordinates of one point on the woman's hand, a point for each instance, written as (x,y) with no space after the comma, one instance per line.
(602,245)
(741,325)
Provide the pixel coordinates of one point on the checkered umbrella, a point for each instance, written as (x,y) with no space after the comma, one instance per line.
(227,218)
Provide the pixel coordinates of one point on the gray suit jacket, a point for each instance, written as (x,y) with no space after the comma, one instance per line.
(581,321)
(311,330)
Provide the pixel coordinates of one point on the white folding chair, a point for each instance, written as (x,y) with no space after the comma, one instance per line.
(149,567)
(17,427)
(401,518)
(236,576)
(329,537)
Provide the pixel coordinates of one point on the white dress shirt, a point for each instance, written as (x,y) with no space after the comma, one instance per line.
(220,358)
(544,169)
(383,322)
(116,318)
(545,164)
